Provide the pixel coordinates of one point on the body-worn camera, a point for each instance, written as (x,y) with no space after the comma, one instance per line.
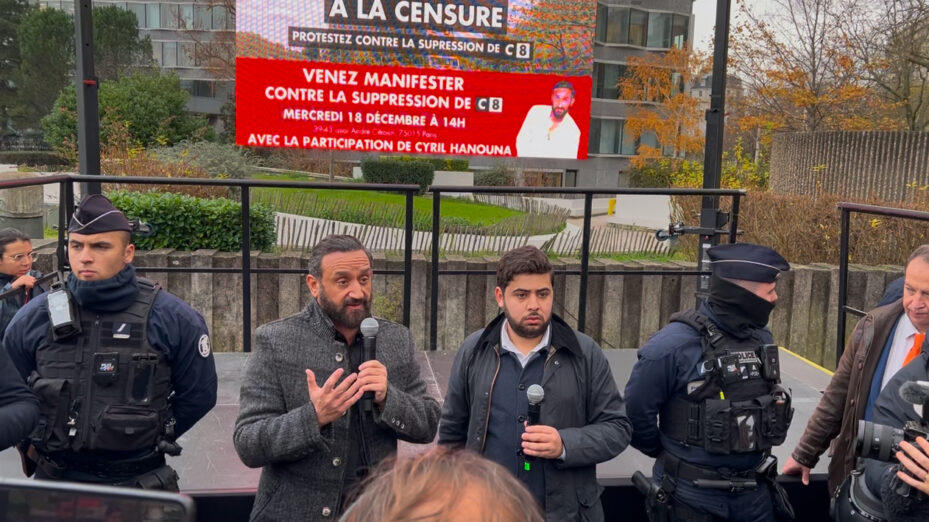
(881,442)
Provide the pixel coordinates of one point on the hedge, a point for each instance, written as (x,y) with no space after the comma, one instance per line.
(33,158)
(399,172)
(188,223)
(453,164)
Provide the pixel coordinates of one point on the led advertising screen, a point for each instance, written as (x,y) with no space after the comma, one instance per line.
(482,77)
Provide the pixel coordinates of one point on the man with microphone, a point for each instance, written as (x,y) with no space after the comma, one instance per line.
(536,396)
(302,415)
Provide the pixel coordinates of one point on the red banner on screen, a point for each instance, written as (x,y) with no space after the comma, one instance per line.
(314,105)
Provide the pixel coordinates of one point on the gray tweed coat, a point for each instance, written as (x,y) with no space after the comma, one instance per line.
(303,467)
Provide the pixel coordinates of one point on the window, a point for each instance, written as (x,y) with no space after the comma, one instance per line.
(203,18)
(638,27)
(169,16)
(605,135)
(139,10)
(679,31)
(186,16)
(219,18)
(659,29)
(203,88)
(152,16)
(170,54)
(187,85)
(185,54)
(606,75)
(612,24)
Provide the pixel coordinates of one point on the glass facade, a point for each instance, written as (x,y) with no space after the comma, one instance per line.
(606,76)
(629,26)
(607,136)
(165,15)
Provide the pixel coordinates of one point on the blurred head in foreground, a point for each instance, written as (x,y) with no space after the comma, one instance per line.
(443,485)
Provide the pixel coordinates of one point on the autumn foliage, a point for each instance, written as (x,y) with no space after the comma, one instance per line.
(658,86)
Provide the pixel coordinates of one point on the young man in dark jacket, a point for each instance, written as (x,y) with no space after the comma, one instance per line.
(582,419)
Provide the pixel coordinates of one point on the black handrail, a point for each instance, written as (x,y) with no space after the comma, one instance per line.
(588,194)
(66,192)
(846,210)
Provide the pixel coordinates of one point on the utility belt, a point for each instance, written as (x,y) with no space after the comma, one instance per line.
(734,481)
(56,465)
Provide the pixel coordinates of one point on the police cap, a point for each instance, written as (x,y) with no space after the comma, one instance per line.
(96,215)
(747,261)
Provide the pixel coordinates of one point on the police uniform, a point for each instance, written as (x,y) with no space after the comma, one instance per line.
(712,378)
(117,385)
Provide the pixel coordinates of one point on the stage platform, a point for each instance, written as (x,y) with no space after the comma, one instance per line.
(212,473)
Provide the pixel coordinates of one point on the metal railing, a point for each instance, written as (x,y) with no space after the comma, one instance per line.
(66,190)
(846,210)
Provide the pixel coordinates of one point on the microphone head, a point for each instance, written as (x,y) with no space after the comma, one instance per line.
(535,394)
(369,327)
(915,392)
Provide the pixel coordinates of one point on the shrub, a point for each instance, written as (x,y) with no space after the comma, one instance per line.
(806,230)
(498,176)
(400,172)
(217,159)
(33,158)
(189,223)
(454,164)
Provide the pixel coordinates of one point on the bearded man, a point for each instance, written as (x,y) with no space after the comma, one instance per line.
(581,418)
(300,417)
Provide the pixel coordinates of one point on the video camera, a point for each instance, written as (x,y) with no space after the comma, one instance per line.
(880,442)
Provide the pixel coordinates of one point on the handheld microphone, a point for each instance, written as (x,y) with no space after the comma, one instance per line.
(536,395)
(369,329)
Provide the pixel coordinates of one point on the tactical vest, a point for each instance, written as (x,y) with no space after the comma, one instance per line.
(738,405)
(107,388)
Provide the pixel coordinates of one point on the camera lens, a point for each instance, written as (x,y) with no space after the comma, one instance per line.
(877,441)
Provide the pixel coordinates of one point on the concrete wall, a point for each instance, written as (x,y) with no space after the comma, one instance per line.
(853,164)
(623,311)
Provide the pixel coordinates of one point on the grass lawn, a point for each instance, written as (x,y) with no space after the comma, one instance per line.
(386,208)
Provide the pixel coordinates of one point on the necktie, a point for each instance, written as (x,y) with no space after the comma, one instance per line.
(916,349)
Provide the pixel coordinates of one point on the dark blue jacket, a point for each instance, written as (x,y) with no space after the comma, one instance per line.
(667,362)
(173,327)
(19,408)
(581,402)
(891,410)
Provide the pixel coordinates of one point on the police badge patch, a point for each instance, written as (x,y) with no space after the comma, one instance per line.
(203,346)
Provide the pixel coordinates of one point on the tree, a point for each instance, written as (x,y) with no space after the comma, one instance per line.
(800,74)
(150,105)
(12,13)
(660,82)
(46,46)
(118,49)
(889,38)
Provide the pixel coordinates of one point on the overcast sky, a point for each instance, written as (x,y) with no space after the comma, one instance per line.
(705,18)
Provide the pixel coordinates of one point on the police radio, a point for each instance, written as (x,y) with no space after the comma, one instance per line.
(61,312)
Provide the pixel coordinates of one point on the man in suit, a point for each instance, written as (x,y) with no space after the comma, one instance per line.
(300,418)
(882,343)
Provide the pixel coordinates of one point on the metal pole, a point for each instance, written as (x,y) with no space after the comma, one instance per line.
(843,285)
(246,273)
(65,209)
(88,118)
(408,259)
(734,221)
(715,127)
(434,297)
(585,263)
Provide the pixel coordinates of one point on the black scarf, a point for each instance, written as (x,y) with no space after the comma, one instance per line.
(108,295)
(736,309)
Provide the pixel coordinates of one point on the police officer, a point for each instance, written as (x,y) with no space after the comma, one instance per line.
(705,398)
(121,368)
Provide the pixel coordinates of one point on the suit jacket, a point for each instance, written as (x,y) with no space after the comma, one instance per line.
(303,466)
(845,399)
